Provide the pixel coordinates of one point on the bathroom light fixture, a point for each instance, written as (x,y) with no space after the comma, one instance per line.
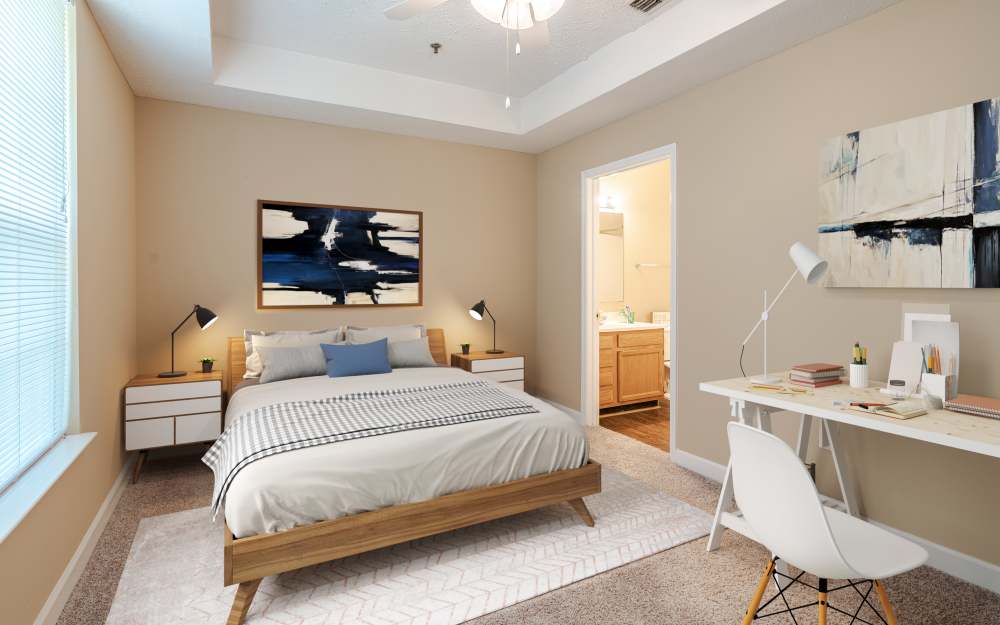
(610,203)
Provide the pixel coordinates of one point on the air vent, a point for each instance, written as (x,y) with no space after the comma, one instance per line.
(645,6)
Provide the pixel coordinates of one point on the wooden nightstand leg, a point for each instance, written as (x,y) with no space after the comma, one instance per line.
(138,465)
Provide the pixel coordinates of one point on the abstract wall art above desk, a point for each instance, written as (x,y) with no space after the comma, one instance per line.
(915,203)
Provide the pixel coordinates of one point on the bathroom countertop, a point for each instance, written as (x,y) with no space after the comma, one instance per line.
(638,325)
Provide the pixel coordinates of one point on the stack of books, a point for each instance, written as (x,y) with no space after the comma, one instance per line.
(816,374)
(979,406)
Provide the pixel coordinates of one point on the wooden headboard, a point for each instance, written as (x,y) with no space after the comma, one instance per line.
(237,353)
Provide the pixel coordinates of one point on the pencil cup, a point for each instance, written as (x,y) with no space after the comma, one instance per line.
(859,376)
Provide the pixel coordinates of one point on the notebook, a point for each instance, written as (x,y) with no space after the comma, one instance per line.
(897,410)
(817,367)
(975,405)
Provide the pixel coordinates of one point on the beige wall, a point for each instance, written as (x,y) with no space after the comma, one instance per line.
(202,170)
(747,175)
(644,193)
(35,555)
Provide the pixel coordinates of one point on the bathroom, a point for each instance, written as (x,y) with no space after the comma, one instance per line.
(632,270)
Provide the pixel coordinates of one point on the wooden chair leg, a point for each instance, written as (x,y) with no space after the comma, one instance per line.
(759,593)
(242,601)
(582,511)
(822,601)
(883,596)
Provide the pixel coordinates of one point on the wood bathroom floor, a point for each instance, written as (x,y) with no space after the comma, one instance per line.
(649,426)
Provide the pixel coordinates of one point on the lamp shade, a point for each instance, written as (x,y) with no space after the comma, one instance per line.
(808,262)
(204,316)
(477,311)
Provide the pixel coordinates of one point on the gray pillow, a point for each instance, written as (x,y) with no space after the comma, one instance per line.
(286,363)
(415,353)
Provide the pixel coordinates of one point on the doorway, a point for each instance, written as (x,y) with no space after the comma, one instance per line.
(628,317)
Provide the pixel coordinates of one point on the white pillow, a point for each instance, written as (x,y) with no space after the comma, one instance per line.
(415,353)
(248,346)
(393,333)
(285,339)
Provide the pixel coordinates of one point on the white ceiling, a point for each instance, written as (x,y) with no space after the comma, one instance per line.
(473,52)
(342,62)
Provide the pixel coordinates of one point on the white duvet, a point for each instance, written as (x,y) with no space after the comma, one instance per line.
(328,481)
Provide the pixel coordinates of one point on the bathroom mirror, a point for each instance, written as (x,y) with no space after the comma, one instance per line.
(611,258)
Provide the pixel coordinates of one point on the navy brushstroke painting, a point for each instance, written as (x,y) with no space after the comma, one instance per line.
(338,256)
(915,203)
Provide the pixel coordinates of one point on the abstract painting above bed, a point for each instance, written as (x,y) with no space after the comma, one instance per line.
(312,255)
(915,203)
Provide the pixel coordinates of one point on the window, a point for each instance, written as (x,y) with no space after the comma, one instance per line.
(35,231)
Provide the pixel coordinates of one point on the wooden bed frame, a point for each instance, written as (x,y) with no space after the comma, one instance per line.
(248,560)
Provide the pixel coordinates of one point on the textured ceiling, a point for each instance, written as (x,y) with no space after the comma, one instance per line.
(473,52)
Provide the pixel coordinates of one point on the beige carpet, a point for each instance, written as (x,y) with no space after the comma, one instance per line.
(685,585)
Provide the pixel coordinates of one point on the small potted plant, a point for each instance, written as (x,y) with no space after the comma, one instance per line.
(206,364)
(465,348)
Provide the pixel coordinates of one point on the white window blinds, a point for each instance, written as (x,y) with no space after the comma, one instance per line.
(34,231)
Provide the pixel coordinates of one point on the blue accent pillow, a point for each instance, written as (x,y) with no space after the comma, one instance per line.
(344,359)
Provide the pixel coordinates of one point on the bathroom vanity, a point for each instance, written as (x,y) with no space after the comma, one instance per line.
(631,363)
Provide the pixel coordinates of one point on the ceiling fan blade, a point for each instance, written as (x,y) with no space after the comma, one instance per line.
(408,8)
(535,37)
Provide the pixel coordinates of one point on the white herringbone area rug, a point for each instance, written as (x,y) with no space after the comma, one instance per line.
(173,574)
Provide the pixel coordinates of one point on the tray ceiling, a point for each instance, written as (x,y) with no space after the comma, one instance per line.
(342,62)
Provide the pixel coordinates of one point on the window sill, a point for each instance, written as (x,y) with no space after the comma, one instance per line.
(28,490)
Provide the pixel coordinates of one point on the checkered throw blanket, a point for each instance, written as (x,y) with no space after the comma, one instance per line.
(287,426)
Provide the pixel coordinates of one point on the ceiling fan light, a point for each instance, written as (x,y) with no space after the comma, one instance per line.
(517,17)
(544,9)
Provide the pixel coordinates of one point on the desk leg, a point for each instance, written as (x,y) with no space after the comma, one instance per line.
(802,441)
(736,408)
(848,487)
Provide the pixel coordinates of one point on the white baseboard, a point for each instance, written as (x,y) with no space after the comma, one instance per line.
(60,594)
(576,414)
(963,566)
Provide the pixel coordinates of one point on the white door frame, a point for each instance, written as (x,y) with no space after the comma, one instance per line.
(588,311)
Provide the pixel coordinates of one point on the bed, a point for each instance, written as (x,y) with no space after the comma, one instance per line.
(308,506)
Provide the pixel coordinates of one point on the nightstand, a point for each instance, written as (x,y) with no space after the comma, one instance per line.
(164,412)
(506,368)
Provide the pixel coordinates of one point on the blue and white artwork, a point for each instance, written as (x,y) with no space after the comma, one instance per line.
(915,203)
(315,256)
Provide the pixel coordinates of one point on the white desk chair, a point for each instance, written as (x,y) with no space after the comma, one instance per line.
(780,504)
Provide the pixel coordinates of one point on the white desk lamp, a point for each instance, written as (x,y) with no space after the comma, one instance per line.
(812,268)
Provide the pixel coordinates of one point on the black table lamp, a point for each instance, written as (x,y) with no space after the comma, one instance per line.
(477,314)
(205,318)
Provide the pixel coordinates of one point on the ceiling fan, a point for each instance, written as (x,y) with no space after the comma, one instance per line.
(526,17)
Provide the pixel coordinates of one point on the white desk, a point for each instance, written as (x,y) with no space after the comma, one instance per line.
(940,427)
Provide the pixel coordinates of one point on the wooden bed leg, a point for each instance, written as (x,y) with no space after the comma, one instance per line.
(581,510)
(242,601)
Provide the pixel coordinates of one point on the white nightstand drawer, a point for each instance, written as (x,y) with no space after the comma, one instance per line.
(149,433)
(497,364)
(509,375)
(171,408)
(177,390)
(194,428)
(518,384)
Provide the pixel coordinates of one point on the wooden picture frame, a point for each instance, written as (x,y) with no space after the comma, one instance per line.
(246,561)
(262,205)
